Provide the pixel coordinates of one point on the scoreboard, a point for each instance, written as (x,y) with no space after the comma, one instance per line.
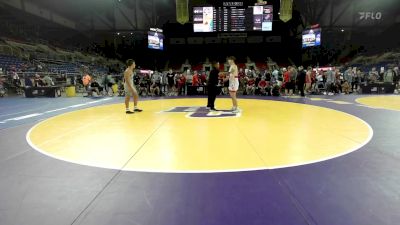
(232,18)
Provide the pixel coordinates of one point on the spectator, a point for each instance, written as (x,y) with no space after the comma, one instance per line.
(16,82)
(28,82)
(195,79)
(251,85)
(258,79)
(86,80)
(275,74)
(273,80)
(356,80)
(203,78)
(293,77)
(373,75)
(242,82)
(396,77)
(136,79)
(313,79)
(301,80)
(381,74)
(181,84)
(94,87)
(108,82)
(262,86)
(241,73)
(330,81)
(154,88)
(348,76)
(267,76)
(143,85)
(156,80)
(47,81)
(171,83)
(308,80)
(346,87)
(223,84)
(189,77)
(156,77)
(287,81)
(15,77)
(3,89)
(37,80)
(388,76)
(164,83)
(338,84)
(276,89)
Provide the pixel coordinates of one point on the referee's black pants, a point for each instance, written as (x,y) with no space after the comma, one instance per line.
(300,87)
(212,95)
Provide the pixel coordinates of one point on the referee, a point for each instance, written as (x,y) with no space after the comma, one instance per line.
(212,86)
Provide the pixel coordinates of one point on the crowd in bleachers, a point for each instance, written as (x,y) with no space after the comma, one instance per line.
(264,79)
(272,82)
(17,73)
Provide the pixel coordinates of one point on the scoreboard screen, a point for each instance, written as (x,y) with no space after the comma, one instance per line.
(232,18)
(311,37)
(155,39)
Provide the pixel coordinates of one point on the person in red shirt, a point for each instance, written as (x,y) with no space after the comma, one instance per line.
(262,86)
(287,81)
(181,84)
(251,86)
(241,73)
(203,78)
(196,79)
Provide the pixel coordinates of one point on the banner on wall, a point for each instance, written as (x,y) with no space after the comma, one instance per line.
(182,11)
(286,10)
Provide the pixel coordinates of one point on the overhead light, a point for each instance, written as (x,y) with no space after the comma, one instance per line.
(342,30)
(118,33)
(131,33)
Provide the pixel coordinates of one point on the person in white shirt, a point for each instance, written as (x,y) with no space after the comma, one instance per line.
(373,75)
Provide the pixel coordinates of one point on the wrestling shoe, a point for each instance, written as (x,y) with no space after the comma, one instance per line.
(237,110)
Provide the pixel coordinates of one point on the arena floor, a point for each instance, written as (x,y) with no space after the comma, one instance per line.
(288,160)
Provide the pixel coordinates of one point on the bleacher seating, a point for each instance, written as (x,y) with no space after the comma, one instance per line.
(63,67)
(6,62)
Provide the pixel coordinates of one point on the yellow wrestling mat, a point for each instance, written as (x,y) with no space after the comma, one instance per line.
(391,102)
(178,135)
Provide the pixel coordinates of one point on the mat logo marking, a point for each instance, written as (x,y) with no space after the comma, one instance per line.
(202,112)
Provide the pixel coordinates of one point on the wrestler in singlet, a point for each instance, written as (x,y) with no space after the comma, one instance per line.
(233,78)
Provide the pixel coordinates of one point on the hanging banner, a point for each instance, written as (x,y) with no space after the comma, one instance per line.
(182,11)
(286,10)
